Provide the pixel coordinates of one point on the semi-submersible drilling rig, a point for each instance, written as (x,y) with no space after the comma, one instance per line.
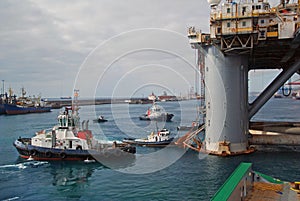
(243,36)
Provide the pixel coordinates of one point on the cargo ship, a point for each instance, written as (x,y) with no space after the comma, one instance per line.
(11,109)
(10,104)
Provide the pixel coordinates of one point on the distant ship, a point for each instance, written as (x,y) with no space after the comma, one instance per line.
(152,97)
(9,104)
(7,98)
(17,109)
(166,97)
(66,97)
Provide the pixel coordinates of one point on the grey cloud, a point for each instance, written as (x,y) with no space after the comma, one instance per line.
(51,38)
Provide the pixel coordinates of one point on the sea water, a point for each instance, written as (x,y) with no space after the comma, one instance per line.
(157,174)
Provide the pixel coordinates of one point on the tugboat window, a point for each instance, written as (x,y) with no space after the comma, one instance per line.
(64,122)
(243,10)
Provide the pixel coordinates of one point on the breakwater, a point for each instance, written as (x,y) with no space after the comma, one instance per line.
(58,103)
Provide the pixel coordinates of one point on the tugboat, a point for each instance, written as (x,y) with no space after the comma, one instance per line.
(66,141)
(160,139)
(156,113)
(100,119)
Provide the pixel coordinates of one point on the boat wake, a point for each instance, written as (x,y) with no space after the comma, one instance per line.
(10,199)
(21,166)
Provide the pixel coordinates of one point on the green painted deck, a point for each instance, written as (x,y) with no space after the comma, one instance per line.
(230,184)
(265,189)
(269,178)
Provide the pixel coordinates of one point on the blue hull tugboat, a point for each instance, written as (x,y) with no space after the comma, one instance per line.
(160,139)
(67,142)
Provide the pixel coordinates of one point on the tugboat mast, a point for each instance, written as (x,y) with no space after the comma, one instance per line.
(75,104)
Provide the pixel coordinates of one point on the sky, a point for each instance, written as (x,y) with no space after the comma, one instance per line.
(103,48)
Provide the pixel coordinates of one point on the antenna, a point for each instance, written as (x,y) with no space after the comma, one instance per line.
(2,86)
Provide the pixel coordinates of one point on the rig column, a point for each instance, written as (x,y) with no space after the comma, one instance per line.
(226,92)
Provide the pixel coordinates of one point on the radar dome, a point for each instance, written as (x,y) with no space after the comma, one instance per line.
(213,2)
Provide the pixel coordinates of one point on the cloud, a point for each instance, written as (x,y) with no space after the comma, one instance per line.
(122,54)
(44,42)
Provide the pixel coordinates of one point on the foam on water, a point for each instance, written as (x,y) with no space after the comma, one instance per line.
(10,199)
(24,165)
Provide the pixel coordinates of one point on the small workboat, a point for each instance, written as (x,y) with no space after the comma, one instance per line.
(66,141)
(156,113)
(100,119)
(160,139)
